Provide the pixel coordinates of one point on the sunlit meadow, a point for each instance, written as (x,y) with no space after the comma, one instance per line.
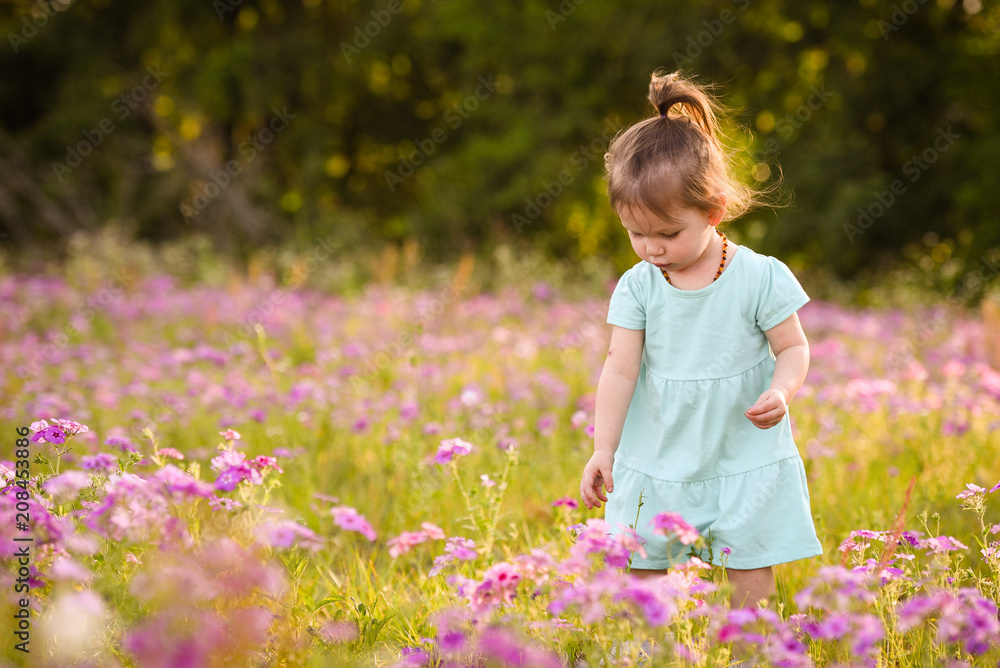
(258,472)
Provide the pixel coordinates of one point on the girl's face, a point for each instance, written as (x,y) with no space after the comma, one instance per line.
(673,245)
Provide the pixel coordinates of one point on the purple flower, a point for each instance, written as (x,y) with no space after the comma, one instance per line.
(66,485)
(349,519)
(413,657)
(122,443)
(49,435)
(451,448)
(972,490)
(569,502)
(173,453)
(672,523)
(286,534)
(102,461)
(339,632)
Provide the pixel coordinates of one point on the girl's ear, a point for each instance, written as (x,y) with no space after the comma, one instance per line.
(716,214)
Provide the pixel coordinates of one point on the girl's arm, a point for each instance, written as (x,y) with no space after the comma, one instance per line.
(614,394)
(791,362)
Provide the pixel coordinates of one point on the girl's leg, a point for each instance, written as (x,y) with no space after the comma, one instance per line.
(750,586)
(649,573)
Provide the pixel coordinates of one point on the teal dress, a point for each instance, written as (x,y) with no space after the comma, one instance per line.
(686,445)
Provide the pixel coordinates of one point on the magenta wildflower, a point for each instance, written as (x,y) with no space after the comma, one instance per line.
(224,503)
(230,435)
(452,448)
(234,469)
(102,461)
(508,444)
(653,596)
(413,657)
(569,502)
(455,549)
(404,542)
(589,595)
(672,523)
(339,632)
(122,443)
(597,537)
(49,435)
(503,647)
(349,519)
(970,491)
(287,533)
(67,568)
(173,453)
(486,482)
(66,485)
(943,544)
(967,618)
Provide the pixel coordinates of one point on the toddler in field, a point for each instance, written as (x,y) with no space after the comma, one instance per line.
(703,329)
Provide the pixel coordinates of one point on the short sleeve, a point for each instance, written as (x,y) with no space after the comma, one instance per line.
(628,307)
(780,295)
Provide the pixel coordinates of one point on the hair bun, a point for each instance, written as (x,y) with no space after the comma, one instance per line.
(666,91)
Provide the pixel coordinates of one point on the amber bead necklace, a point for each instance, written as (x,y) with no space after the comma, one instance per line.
(725,245)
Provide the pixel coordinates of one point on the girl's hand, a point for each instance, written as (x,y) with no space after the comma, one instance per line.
(596,474)
(769,409)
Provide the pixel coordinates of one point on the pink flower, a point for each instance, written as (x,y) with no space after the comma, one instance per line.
(953,369)
(349,519)
(71,427)
(943,544)
(451,448)
(569,502)
(224,503)
(102,461)
(263,462)
(67,568)
(407,540)
(234,469)
(456,549)
(667,523)
(287,533)
(339,632)
(177,482)
(171,452)
(404,542)
(486,482)
(230,435)
(51,434)
(971,491)
(432,531)
(66,485)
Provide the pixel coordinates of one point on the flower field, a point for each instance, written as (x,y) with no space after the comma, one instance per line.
(252,474)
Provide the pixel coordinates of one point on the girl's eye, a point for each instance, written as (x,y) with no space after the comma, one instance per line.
(670,236)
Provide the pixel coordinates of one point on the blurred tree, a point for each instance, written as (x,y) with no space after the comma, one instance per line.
(460,125)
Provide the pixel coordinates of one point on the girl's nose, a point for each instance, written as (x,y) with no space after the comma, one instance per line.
(653,249)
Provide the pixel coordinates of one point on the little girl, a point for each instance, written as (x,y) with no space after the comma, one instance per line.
(706,353)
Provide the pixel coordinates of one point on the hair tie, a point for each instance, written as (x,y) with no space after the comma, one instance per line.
(663,115)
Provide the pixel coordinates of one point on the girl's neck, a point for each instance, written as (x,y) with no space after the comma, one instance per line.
(702,272)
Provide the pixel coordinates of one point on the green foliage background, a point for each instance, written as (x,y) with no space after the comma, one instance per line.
(839,97)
